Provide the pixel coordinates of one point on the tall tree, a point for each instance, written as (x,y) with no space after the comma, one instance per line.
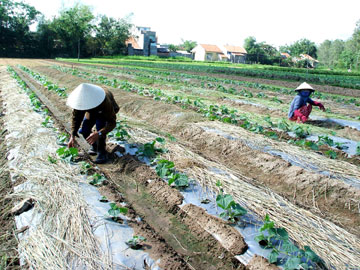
(302,46)
(188,45)
(73,25)
(15,20)
(112,33)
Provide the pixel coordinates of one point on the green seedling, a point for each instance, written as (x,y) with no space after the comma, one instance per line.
(283,125)
(331,154)
(278,240)
(96,179)
(103,199)
(358,149)
(232,210)
(268,120)
(52,160)
(136,242)
(85,167)
(62,138)
(115,211)
(47,122)
(149,150)
(120,131)
(164,168)
(300,131)
(179,180)
(325,140)
(67,154)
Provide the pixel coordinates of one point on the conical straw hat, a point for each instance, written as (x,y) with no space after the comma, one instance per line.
(304,86)
(85,97)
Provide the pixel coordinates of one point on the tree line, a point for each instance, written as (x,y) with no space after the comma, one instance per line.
(74,32)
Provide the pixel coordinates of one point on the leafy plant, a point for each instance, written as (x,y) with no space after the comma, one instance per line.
(84,167)
(325,140)
(283,125)
(52,160)
(47,122)
(103,199)
(358,149)
(331,154)
(179,180)
(136,242)
(232,210)
(120,132)
(115,210)
(164,168)
(278,240)
(149,150)
(67,154)
(96,179)
(62,138)
(300,131)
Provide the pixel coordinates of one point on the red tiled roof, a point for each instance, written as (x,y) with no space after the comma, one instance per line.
(235,49)
(211,48)
(285,54)
(133,42)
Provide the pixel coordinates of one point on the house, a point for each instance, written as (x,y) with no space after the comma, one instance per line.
(235,54)
(207,52)
(142,42)
(285,55)
(313,62)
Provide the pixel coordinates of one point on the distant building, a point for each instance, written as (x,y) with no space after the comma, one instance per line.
(312,61)
(143,42)
(285,55)
(207,52)
(235,54)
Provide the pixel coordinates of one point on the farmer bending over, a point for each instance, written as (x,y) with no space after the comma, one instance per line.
(299,109)
(91,106)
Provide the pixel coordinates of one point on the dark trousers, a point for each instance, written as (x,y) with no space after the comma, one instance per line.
(86,128)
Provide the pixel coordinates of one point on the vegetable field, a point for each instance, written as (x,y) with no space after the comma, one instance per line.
(205,169)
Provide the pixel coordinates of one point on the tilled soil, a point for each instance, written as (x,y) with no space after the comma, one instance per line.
(177,245)
(325,197)
(298,185)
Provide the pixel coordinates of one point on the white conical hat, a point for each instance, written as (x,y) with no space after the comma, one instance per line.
(304,86)
(85,97)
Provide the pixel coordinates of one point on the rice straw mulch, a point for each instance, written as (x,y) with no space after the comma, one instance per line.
(60,235)
(338,248)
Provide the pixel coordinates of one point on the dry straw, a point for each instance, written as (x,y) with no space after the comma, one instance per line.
(338,248)
(61,233)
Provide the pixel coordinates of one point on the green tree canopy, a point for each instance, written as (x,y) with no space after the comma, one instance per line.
(188,45)
(15,20)
(302,46)
(72,26)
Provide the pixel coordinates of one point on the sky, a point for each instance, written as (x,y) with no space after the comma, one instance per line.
(276,22)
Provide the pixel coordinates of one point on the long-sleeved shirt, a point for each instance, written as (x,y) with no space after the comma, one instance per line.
(106,110)
(297,103)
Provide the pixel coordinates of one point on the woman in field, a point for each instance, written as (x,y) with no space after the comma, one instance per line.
(301,106)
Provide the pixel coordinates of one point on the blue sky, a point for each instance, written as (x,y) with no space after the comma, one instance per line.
(277,22)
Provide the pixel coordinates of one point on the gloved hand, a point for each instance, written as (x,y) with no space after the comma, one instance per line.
(319,105)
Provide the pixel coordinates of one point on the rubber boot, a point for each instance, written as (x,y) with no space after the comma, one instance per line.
(102,154)
(93,149)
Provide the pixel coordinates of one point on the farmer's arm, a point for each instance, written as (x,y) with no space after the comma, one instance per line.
(315,103)
(76,119)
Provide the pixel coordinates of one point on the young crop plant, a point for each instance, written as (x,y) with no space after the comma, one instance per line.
(358,149)
(115,211)
(149,150)
(67,154)
(331,154)
(283,250)
(47,122)
(85,167)
(232,210)
(283,125)
(97,179)
(62,139)
(120,131)
(178,179)
(164,168)
(300,131)
(136,242)
(52,159)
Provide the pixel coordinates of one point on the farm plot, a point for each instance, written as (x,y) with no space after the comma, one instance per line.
(212,151)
